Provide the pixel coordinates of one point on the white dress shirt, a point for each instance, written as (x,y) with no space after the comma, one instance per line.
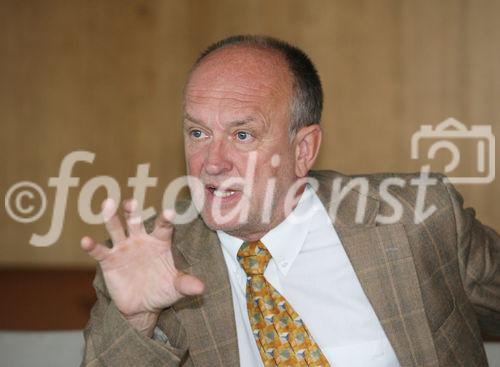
(310,268)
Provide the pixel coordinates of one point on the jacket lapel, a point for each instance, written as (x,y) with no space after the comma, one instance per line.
(208,319)
(383,262)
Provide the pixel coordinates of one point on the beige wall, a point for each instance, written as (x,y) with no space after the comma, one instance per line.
(106,76)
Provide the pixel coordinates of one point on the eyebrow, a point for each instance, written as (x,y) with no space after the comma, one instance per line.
(234,123)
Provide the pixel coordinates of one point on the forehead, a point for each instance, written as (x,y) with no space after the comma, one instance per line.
(237,77)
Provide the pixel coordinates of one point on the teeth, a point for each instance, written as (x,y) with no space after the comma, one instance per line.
(223,194)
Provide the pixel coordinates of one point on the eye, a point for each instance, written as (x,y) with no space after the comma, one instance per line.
(243,135)
(197,134)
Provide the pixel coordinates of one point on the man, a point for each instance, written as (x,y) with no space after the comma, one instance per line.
(277,271)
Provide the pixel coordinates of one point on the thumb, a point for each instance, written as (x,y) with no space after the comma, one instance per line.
(188,285)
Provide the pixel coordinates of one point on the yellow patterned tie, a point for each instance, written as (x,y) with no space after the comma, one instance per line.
(281,336)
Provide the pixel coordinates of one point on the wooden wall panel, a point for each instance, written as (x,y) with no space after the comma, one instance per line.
(107,77)
(46,299)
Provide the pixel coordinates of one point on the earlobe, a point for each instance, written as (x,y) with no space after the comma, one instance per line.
(308,141)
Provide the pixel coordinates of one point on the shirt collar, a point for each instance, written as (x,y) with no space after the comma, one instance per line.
(284,241)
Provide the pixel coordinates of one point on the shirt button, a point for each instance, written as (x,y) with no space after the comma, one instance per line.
(284,264)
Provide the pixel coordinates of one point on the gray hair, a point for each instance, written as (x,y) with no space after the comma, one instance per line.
(307,100)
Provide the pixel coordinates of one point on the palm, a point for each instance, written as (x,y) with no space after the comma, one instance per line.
(139,269)
(140,274)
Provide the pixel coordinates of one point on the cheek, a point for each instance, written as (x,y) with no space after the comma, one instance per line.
(194,162)
(286,161)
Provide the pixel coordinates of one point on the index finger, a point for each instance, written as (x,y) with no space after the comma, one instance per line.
(112,221)
(163,225)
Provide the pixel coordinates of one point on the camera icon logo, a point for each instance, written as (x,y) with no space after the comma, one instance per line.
(449,135)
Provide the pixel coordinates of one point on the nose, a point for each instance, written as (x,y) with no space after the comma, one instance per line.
(218,160)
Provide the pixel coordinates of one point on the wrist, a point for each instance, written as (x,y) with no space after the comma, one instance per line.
(143,322)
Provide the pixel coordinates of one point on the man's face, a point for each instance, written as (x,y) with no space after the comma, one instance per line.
(236,116)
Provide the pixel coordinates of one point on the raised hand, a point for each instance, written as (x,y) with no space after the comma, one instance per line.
(139,270)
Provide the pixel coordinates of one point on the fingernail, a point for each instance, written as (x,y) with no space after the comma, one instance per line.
(108,204)
(168,214)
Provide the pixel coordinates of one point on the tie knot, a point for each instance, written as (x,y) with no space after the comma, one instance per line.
(253,257)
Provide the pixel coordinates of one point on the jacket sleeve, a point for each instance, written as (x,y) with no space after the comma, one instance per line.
(479,262)
(111,341)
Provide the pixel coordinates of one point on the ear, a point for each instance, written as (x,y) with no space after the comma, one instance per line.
(307,143)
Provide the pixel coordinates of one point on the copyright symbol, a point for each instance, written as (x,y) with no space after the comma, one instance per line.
(15,202)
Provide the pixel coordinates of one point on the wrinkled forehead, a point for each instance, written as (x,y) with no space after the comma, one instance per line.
(240,71)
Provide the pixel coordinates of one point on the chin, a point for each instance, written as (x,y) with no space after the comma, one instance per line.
(229,226)
(248,230)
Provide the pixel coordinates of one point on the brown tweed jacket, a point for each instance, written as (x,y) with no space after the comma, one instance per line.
(434,286)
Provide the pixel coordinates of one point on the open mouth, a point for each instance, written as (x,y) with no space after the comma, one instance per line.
(220,193)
